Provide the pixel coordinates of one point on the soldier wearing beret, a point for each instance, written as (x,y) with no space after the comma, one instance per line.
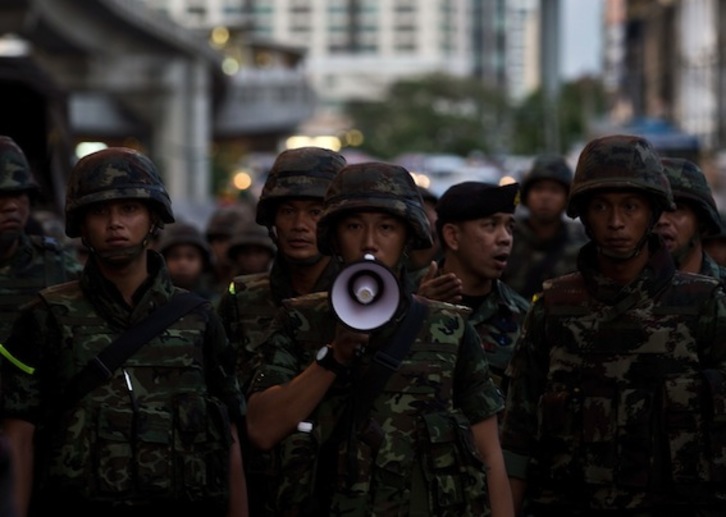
(545,243)
(361,434)
(616,396)
(475,226)
(695,218)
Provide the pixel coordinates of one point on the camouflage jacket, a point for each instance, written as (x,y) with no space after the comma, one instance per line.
(249,306)
(416,455)
(165,439)
(534,260)
(37,263)
(617,396)
(498,321)
(709,267)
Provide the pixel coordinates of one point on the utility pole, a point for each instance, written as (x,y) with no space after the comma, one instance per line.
(550,70)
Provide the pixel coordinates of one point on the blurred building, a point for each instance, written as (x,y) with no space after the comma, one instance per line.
(117,73)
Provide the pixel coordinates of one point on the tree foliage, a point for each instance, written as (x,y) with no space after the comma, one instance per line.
(444,114)
(435,114)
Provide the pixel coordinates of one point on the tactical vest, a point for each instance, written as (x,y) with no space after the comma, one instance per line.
(19,287)
(408,460)
(626,405)
(254,311)
(167,440)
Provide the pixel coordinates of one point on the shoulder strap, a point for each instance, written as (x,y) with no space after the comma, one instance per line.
(101,368)
(388,359)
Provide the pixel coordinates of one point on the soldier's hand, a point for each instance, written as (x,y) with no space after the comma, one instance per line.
(445,288)
(347,343)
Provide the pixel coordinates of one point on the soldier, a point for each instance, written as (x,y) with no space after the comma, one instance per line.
(289,207)
(425,442)
(251,249)
(615,405)
(27,263)
(545,244)
(694,218)
(118,431)
(475,224)
(218,233)
(188,259)
(419,263)
(715,245)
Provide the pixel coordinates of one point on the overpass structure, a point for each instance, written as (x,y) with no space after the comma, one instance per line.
(115,71)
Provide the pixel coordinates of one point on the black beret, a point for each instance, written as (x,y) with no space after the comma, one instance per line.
(474,200)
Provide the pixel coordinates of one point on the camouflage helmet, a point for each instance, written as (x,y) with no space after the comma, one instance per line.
(250,234)
(15,169)
(184,233)
(619,162)
(547,167)
(225,218)
(114,173)
(305,172)
(688,182)
(374,186)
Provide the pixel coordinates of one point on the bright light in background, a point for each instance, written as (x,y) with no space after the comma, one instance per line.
(421,179)
(230,66)
(220,36)
(11,45)
(242,180)
(85,148)
(506,180)
(353,138)
(325,141)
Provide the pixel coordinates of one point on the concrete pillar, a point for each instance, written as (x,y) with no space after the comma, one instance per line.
(182,137)
(550,69)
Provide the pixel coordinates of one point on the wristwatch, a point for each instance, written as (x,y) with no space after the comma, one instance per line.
(326,359)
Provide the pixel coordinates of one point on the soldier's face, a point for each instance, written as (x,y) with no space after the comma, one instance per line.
(185,264)
(482,246)
(618,221)
(296,223)
(546,200)
(378,233)
(14,213)
(114,226)
(679,227)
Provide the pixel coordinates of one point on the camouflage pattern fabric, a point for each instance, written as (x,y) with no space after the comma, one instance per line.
(498,322)
(374,186)
(709,267)
(37,263)
(619,162)
(114,173)
(15,174)
(305,172)
(247,311)
(168,440)
(534,260)
(416,454)
(617,396)
(689,183)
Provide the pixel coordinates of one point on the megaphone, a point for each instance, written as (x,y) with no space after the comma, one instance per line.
(365,295)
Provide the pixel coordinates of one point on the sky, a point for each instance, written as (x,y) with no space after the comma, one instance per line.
(581,37)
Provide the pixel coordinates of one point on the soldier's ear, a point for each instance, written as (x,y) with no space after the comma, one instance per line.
(451,235)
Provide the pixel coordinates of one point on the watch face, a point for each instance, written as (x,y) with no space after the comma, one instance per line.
(322,353)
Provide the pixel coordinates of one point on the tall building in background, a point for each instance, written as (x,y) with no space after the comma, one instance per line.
(357,48)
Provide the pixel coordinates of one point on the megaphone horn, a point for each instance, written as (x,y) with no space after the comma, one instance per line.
(365,295)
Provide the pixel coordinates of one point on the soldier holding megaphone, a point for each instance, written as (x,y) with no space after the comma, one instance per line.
(379,401)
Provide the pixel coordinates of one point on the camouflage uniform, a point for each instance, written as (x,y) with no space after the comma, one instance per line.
(166,441)
(38,262)
(252,301)
(689,185)
(616,401)
(533,259)
(415,455)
